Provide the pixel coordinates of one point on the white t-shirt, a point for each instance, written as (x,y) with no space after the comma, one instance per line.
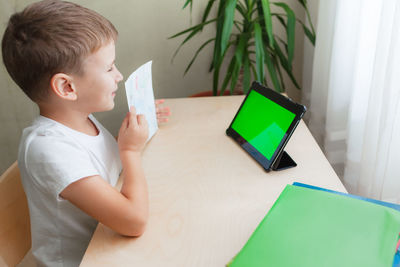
(52,156)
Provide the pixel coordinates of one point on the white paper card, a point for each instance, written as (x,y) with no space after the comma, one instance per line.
(139,91)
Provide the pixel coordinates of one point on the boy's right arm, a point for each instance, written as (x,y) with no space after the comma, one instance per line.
(125,212)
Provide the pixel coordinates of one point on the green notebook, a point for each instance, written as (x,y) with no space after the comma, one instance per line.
(307,228)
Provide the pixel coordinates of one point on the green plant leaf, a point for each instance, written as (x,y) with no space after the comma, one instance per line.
(234,65)
(303,3)
(280,19)
(254,30)
(217,59)
(278,68)
(244,10)
(284,64)
(240,50)
(228,75)
(246,74)
(237,25)
(191,28)
(223,56)
(253,69)
(272,72)
(309,34)
(191,6)
(207,10)
(229,14)
(193,33)
(247,3)
(290,30)
(268,21)
(283,43)
(241,9)
(235,75)
(215,80)
(197,52)
(187,2)
(260,55)
(196,29)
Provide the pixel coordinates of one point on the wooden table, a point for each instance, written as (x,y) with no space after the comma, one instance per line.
(207,195)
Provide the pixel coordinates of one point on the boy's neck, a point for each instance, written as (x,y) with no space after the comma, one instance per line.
(73,119)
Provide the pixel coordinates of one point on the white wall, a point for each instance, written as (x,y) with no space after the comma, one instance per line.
(308,59)
(144,27)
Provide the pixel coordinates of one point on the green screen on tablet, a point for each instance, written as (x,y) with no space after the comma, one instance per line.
(263,123)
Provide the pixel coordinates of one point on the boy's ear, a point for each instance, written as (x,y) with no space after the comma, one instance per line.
(61,85)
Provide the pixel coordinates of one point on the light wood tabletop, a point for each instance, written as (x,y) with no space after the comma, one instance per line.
(207,195)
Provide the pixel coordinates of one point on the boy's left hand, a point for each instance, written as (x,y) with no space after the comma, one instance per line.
(162,112)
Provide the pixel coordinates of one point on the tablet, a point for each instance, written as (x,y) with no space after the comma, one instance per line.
(264,124)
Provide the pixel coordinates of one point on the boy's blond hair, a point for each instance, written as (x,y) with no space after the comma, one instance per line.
(50,37)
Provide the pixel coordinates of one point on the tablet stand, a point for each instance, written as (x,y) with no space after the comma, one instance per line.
(284,161)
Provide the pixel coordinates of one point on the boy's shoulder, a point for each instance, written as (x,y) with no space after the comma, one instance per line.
(44,136)
(42,131)
(49,149)
(49,128)
(42,126)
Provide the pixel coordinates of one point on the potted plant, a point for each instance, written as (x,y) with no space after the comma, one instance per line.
(246,27)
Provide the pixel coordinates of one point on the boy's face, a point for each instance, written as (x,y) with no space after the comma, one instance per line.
(96,88)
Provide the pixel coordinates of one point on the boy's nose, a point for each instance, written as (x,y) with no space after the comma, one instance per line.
(119,76)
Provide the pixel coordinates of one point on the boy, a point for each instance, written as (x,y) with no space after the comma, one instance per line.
(62,56)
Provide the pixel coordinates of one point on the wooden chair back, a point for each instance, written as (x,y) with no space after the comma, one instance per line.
(15,232)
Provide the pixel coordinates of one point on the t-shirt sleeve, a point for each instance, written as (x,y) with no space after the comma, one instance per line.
(56,162)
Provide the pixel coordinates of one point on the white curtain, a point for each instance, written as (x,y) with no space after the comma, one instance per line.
(354,109)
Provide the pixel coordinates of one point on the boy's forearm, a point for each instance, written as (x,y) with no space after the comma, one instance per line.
(134,186)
